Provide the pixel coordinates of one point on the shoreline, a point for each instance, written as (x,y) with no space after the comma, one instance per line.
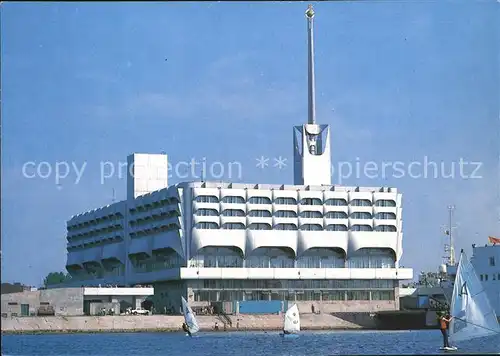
(173,323)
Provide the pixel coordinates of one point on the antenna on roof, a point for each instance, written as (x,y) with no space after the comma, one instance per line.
(114,197)
(310,70)
(450,248)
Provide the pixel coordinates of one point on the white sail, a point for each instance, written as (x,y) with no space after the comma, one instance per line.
(471,310)
(189,318)
(292,320)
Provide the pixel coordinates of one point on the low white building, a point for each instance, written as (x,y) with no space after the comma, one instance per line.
(74,301)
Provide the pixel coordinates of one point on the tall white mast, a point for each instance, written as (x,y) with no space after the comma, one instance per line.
(310,70)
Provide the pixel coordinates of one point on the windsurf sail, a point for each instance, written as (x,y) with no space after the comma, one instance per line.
(471,310)
(189,318)
(292,320)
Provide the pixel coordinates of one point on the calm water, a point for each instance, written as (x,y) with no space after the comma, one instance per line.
(239,343)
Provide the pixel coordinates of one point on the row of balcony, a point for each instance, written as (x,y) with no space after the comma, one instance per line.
(139,206)
(151,229)
(298,192)
(99,231)
(93,242)
(289,224)
(155,212)
(263,200)
(247,208)
(95,223)
(309,214)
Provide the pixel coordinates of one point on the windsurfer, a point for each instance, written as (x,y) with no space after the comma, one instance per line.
(444,324)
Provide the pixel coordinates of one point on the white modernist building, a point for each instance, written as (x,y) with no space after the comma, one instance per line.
(223,242)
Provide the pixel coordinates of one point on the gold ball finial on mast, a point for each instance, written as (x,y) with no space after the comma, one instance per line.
(310,12)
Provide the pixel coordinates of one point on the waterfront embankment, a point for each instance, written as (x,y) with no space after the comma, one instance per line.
(172,323)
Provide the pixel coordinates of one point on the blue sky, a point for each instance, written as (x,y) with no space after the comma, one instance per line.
(89,83)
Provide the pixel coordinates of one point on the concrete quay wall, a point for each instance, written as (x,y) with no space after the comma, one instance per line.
(173,323)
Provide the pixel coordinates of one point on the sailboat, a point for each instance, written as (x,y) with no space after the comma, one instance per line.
(473,316)
(291,325)
(189,318)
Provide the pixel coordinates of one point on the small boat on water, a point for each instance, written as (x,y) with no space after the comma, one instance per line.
(189,319)
(291,325)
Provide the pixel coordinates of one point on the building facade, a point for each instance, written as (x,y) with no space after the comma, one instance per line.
(225,242)
(74,301)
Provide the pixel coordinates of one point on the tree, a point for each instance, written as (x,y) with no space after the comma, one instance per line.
(56,278)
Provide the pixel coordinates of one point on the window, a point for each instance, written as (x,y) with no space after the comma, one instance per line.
(311,215)
(259,213)
(361,215)
(336,215)
(233,200)
(285,201)
(233,226)
(481,277)
(206,212)
(259,200)
(233,212)
(361,228)
(371,258)
(320,258)
(336,202)
(485,277)
(206,199)
(207,226)
(361,202)
(336,227)
(311,227)
(385,216)
(386,203)
(492,261)
(311,201)
(383,295)
(259,226)
(285,214)
(285,227)
(217,257)
(358,295)
(385,228)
